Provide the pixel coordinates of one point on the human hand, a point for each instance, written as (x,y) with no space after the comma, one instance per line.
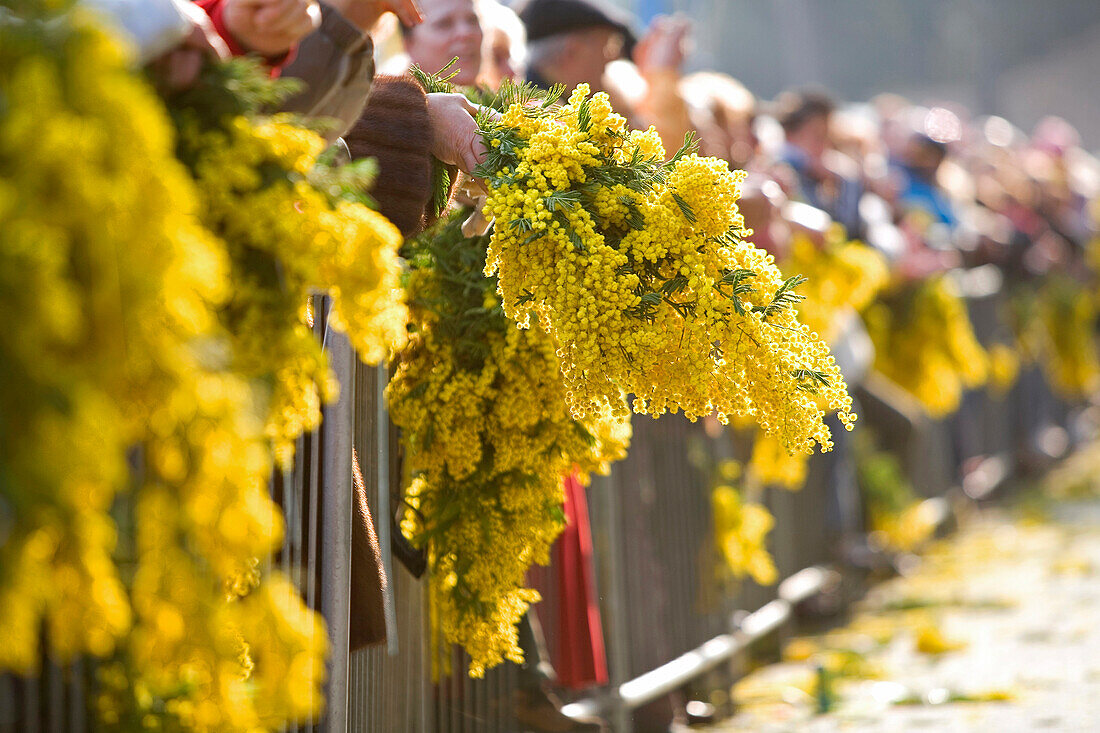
(365,13)
(471,192)
(665,45)
(271,27)
(180,67)
(456,139)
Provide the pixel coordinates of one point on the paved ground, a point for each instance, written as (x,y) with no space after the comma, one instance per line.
(1006,613)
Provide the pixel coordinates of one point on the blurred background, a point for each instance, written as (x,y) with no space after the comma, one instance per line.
(1013,58)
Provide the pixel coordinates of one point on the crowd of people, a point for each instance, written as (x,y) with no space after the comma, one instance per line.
(928,188)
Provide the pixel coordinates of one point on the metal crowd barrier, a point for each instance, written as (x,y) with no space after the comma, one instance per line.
(665,619)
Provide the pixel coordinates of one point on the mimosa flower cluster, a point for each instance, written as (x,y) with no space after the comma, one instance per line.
(638,269)
(78,367)
(126,398)
(925,343)
(1004,369)
(771,465)
(286,240)
(488,440)
(740,531)
(900,521)
(1067,313)
(841,277)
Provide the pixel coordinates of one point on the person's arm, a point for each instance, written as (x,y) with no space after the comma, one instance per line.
(155,26)
(395,130)
(269,28)
(659,57)
(403,128)
(336,65)
(173,37)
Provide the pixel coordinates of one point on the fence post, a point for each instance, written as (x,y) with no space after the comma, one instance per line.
(335,529)
(384,512)
(618,638)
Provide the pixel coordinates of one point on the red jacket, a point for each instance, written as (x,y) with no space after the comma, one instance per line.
(216,10)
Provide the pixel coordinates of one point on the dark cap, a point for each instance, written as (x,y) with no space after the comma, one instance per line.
(795,109)
(545,18)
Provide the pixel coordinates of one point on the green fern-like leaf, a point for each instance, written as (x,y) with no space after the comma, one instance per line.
(784,297)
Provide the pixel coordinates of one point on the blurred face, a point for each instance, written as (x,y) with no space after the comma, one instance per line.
(585,58)
(923,158)
(593,50)
(813,137)
(450,28)
(738,128)
(498,58)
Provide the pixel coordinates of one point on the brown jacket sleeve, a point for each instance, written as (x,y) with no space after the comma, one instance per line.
(336,64)
(368,578)
(395,130)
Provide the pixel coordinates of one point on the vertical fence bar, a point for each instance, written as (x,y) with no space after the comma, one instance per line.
(618,650)
(7,704)
(55,697)
(384,512)
(335,526)
(31,706)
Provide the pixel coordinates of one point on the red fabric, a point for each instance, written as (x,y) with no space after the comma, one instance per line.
(581,660)
(216,10)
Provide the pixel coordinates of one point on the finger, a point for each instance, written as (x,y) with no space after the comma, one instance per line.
(476,153)
(476,224)
(466,104)
(408,11)
(679,20)
(491,114)
(657,23)
(211,44)
(296,23)
(305,22)
(181,68)
(190,67)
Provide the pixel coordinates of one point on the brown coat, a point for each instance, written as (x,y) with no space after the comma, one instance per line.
(336,65)
(395,130)
(385,118)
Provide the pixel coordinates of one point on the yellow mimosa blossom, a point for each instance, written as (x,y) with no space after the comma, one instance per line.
(924,342)
(741,530)
(488,439)
(640,272)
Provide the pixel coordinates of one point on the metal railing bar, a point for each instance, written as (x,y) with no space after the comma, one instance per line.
(31,709)
(55,696)
(678,672)
(619,646)
(382,513)
(336,460)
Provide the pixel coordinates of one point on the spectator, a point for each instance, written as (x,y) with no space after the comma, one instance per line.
(504,49)
(451,28)
(268,28)
(174,36)
(391,120)
(571,42)
(336,62)
(723,112)
(805,117)
(917,174)
(660,57)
